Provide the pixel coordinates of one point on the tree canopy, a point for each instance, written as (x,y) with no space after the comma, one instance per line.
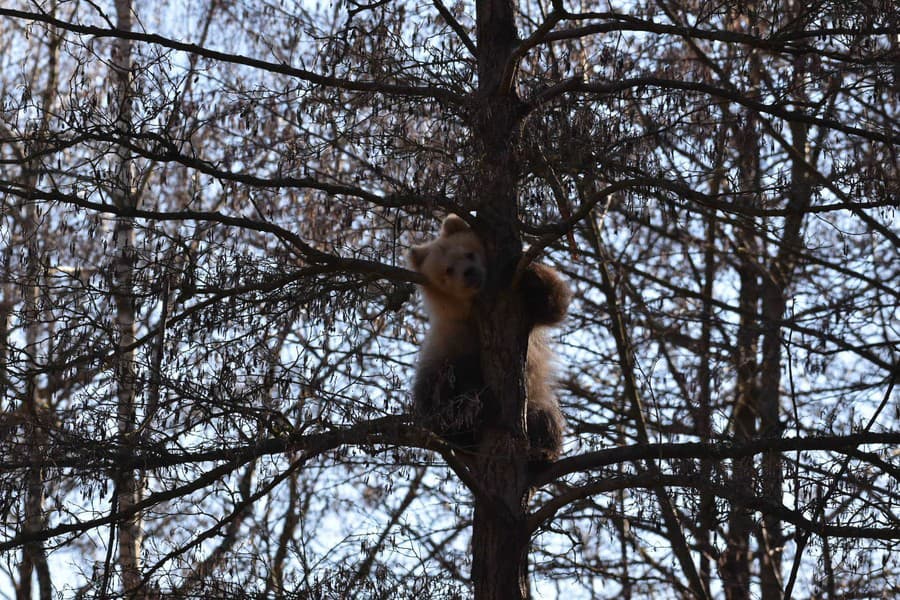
(208,329)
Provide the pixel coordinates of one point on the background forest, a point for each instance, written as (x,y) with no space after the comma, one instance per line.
(208,330)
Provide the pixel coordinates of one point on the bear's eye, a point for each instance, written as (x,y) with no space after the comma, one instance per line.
(449,270)
(470,255)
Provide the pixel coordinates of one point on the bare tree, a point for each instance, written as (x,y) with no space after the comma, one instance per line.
(208,330)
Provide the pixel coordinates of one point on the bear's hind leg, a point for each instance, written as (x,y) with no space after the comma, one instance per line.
(545,432)
(448,398)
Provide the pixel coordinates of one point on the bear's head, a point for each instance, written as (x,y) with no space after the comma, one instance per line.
(454,263)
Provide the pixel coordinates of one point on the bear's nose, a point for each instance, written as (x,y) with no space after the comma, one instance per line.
(472,277)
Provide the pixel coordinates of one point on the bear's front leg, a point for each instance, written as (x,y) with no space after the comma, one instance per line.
(545,295)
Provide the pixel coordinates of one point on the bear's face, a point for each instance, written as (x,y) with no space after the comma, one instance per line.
(453,263)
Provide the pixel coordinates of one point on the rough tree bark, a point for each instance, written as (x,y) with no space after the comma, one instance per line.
(500,536)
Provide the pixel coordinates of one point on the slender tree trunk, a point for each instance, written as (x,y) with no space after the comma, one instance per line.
(292,515)
(703,420)
(34,559)
(780,274)
(34,404)
(128,484)
(738,556)
(770,538)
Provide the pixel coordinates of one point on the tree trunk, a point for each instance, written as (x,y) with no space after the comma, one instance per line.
(780,274)
(737,556)
(500,535)
(35,405)
(36,410)
(129,484)
(703,420)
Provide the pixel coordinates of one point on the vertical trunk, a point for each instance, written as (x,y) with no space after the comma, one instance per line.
(35,406)
(496,39)
(500,536)
(895,49)
(128,484)
(34,559)
(738,556)
(770,538)
(774,306)
(623,524)
(292,515)
(703,417)
(703,422)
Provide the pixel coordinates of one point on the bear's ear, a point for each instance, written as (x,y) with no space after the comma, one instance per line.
(416,256)
(453,224)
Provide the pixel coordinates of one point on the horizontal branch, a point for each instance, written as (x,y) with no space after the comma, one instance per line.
(396,430)
(312,255)
(388,89)
(863,351)
(730,493)
(386,431)
(709,451)
(578,85)
(788,42)
(167,151)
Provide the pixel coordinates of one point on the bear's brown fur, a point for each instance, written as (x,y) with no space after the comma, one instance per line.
(449,393)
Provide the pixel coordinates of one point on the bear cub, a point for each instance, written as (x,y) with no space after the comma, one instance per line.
(449,392)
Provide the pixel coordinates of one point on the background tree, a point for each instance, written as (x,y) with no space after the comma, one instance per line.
(208,330)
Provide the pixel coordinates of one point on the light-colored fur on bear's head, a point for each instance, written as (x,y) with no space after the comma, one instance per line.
(454,265)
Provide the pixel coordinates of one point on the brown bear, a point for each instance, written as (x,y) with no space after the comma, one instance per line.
(449,393)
